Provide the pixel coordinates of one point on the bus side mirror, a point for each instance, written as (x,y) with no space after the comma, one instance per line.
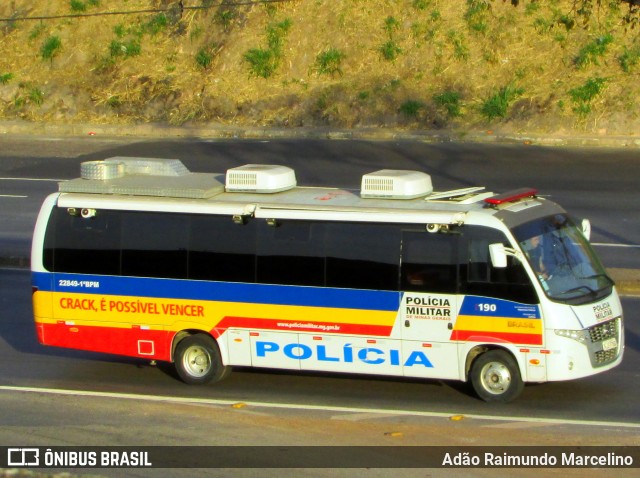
(498,255)
(586,228)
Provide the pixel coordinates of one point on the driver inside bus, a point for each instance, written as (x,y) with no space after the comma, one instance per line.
(538,258)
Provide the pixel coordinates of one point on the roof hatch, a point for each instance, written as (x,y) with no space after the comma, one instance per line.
(142,177)
(120,166)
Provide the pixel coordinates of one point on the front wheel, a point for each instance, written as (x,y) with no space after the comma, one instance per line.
(198,360)
(495,377)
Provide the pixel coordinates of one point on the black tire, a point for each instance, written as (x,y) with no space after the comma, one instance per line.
(197,360)
(495,377)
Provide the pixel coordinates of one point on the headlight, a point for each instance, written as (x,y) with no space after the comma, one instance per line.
(577,335)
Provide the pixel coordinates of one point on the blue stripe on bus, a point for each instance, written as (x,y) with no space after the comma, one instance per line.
(219,291)
(490,307)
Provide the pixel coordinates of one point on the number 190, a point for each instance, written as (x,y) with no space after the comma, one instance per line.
(487,307)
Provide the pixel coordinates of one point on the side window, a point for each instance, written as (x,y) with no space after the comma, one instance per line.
(291,252)
(429,262)
(481,278)
(363,256)
(154,245)
(84,246)
(221,250)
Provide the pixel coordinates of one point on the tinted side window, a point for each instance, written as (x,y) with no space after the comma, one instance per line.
(154,245)
(291,252)
(84,246)
(221,250)
(429,262)
(481,278)
(363,256)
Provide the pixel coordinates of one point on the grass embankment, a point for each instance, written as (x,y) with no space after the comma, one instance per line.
(538,66)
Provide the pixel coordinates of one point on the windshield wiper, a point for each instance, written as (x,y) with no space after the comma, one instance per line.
(576,289)
(598,276)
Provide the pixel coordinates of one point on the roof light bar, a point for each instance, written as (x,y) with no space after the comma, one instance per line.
(511,196)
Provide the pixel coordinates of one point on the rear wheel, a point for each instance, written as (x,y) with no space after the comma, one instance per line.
(198,360)
(495,377)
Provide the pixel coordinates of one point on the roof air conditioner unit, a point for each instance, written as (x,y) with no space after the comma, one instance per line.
(260,178)
(396,184)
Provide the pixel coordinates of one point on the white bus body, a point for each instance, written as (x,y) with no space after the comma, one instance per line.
(140,257)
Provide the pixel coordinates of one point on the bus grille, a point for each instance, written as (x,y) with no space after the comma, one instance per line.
(604,331)
(598,334)
(603,357)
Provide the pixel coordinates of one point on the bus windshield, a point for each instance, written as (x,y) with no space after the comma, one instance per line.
(563,260)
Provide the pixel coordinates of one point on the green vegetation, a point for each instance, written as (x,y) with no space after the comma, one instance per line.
(37,31)
(496,105)
(476,15)
(328,62)
(225,18)
(390,49)
(450,101)
(128,42)
(81,6)
(50,48)
(36,96)
(263,62)
(78,6)
(629,58)
(592,51)
(276,34)
(421,4)
(391,25)
(5,78)
(460,49)
(120,31)
(583,96)
(411,108)
(124,49)
(156,24)
(205,56)
(114,101)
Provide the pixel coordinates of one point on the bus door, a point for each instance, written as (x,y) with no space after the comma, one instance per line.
(429,304)
(497,305)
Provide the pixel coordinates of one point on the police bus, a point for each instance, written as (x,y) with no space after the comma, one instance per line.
(141,257)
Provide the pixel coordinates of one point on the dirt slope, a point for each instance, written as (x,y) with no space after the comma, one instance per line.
(557,66)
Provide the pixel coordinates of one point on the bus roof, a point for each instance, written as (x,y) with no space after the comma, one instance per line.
(271,192)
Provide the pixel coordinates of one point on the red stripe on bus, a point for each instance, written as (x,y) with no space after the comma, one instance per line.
(129,341)
(230,322)
(496,337)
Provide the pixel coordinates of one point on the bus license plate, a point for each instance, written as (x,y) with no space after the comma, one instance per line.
(609,344)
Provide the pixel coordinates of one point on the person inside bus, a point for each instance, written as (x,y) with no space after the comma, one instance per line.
(550,253)
(537,257)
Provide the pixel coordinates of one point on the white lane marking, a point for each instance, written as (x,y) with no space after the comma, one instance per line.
(33,179)
(355,417)
(516,425)
(296,406)
(12,196)
(604,244)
